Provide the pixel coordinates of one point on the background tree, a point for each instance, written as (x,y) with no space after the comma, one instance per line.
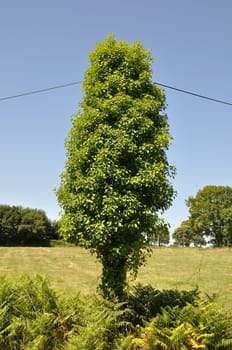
(226,215)
(210,212)
(20,225)
(185,235)
(161,235)
(34,226)
(10,218)
(117,174)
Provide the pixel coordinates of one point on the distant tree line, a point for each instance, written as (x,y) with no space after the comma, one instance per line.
(25,226)
(210,219)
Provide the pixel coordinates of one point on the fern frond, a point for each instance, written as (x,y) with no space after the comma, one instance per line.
(225,344)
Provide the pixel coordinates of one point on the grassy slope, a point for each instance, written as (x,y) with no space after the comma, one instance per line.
(72,268)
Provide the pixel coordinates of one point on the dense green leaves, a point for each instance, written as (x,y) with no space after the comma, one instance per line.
(189,327)
(210,214)
(34,316)
(20,225)
(161,233)
(210,218)
(117,174)
(185,235)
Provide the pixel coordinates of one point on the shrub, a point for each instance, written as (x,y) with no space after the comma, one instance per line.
(146,302)
(105,324)
(190,327)
(33,317)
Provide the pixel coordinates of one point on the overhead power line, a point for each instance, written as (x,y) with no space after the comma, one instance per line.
(195,94)
(23,94)
(39,91)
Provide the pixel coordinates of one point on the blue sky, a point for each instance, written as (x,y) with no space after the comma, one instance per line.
(46,43)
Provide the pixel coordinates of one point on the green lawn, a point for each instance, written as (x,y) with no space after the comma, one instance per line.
(72,268)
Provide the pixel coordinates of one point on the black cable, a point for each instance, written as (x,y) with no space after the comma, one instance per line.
(195,94)
(39,91)
(79,82)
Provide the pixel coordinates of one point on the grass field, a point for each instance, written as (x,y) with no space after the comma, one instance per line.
(72,268)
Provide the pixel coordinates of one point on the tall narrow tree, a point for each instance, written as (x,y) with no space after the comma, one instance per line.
(117,176)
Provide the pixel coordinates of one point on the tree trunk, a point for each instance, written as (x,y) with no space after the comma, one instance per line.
(113,279)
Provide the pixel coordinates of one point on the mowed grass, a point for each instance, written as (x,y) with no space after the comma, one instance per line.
(71,269)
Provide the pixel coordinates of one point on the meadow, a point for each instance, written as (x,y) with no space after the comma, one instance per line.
(71,268)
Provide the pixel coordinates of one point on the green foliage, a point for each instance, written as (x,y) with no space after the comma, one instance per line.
(117,174)
(105,324)
(211,214)
(10,218)
(146,302)
(32,317)
(184,235)
(25,226)
(161,233)
(189,327)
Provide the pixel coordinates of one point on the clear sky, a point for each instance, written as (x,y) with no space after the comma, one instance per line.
(46,43)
